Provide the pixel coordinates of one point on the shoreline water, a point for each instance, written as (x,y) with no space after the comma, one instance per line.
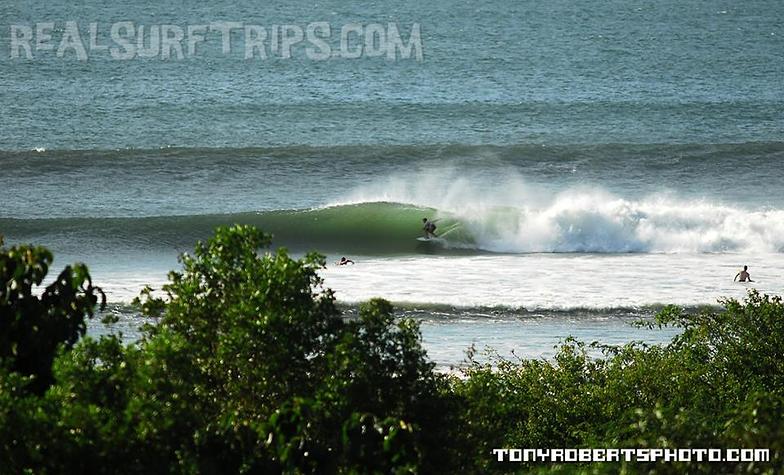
(531,282)
(447,336)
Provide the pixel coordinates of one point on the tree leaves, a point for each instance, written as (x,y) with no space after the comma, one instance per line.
(34,322)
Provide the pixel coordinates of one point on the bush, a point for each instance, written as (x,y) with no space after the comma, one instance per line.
(718,384)
(33,327)
(251,368)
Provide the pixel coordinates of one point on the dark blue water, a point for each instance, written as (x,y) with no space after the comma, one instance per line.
(499,72)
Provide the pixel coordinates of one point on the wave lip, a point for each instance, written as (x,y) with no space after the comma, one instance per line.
(594,221)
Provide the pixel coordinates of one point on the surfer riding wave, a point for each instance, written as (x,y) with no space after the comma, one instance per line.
(429,228)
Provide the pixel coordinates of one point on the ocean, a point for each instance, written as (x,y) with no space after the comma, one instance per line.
(587,162)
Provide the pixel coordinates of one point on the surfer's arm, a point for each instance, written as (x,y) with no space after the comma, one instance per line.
(736,277)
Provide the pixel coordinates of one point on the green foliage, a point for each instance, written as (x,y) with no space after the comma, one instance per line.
(718,384)
(250,369)
(32,326)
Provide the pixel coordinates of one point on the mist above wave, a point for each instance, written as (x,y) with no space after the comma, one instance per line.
(510,215)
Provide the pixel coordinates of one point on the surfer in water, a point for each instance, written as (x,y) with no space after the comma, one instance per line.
(429,228)
(744,275)
(344,261)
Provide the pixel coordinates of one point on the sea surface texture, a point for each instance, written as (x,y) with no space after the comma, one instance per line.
(586,162)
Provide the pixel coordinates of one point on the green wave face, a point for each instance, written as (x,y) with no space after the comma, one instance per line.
(367,228)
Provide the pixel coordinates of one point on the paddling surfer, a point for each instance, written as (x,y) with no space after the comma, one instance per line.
(344,261)
(744,275)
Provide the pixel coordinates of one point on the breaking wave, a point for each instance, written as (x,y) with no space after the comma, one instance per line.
(571,222)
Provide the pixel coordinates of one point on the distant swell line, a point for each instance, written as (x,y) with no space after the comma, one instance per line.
(539,151)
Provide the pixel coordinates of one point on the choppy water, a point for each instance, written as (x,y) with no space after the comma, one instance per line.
(605,156)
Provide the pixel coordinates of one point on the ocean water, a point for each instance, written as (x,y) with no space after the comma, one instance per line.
(587,162)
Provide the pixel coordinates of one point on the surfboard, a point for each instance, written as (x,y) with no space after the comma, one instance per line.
(434,240)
